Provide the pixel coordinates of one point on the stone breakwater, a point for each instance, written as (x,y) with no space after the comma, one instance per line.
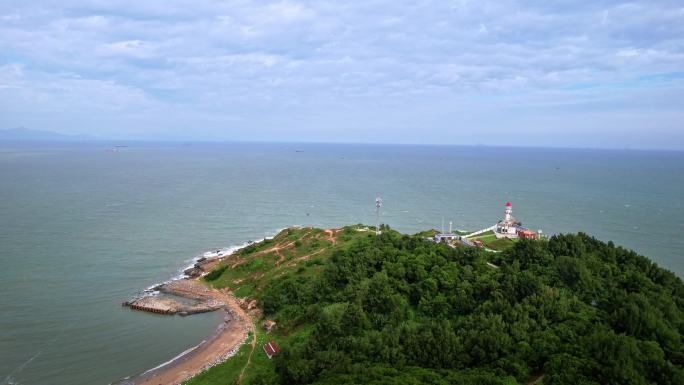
(169,305)
(183,296)
(187,295)
(225,342)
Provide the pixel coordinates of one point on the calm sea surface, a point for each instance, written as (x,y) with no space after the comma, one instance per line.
(83,227)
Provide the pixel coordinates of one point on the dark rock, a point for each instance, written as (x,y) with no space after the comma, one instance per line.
(193,272)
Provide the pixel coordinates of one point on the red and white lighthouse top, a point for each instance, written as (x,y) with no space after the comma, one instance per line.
(508,204)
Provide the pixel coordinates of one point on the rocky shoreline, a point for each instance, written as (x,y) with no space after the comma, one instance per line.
(188,296)
(177,297)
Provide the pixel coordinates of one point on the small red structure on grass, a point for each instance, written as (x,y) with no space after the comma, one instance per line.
(271,349)
(527,234)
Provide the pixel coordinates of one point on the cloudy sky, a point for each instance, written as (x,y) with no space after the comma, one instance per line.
(560,73)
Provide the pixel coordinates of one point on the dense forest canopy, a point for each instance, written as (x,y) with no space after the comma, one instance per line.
(397,309)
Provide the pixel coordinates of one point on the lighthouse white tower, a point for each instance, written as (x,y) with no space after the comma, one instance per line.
(508,216)
(508,227)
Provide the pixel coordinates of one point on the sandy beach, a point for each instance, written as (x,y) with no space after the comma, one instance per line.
(222,344)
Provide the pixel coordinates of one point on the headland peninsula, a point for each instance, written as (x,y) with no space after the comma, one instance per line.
(362,304)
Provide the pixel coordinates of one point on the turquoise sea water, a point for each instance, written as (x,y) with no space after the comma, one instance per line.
(83,227)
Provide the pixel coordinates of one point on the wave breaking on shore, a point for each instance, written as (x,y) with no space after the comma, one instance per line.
(221,253)
(185,284)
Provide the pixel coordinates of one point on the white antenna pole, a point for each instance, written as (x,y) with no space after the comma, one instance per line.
(450,223)
(378,205)
(442,225)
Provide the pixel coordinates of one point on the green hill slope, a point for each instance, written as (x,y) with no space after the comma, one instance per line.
(357,308)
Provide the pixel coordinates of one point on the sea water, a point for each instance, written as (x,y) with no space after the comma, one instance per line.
(84,227)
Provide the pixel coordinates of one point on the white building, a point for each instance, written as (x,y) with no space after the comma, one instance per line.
(446,237)
(508,227)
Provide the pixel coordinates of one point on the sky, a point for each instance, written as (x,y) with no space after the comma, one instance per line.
(523,73)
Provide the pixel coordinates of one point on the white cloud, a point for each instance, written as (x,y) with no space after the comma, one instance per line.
(241,58)
(284,12)
(129,48)
(10,17)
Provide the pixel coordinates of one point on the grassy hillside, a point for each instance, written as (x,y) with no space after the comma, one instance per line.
(490,241)
(357,308)
(296,251)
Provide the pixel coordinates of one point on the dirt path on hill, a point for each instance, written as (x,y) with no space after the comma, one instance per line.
(331,238)
(276,249)
(332,235)
(249,359)
(281,257)
(230,335)
(304,257)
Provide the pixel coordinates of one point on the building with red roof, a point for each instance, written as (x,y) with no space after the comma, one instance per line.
(271,349)
(526,234)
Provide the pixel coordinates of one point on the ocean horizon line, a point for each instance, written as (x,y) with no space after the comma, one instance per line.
(180,142)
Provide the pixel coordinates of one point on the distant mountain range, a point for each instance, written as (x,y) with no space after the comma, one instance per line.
(26,134)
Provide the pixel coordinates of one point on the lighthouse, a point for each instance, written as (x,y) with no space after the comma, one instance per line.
(508,227)
(508,216)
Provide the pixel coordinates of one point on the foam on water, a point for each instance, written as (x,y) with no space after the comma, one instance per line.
(181,355)
(221,253)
